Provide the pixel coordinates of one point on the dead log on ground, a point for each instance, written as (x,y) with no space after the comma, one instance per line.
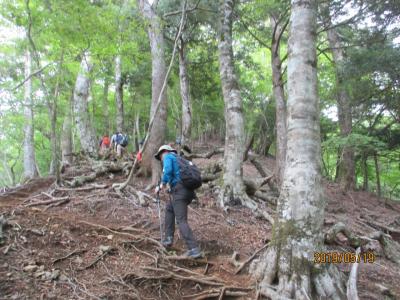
(264,174)
(99,169)
(330,235)
(391,248)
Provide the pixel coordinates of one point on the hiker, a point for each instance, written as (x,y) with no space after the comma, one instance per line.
(119,141)
(177,207)
(104,145)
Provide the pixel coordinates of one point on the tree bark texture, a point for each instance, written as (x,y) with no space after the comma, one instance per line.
(279,96)
(66,137)
(377,175)
(233,189)
(106,110)
(346,166)
(185,95)
(82,119)
(364,167)
(30,170)
(119,93)
(157,135)
(297,233)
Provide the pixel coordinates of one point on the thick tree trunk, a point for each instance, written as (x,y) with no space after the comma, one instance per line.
(30,170)
(119,94)
(279,95)
(346,175)
(81,93)
(233,189)
(185,95)
(106,110)
(157,135)
(377,175)
(66,137)
(297,233)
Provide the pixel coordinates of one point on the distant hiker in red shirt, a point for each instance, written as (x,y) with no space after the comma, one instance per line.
(104,145)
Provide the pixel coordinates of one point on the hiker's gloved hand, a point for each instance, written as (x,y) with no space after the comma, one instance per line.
(159,188)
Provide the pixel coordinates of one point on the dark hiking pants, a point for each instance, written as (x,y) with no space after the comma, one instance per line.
(177,208)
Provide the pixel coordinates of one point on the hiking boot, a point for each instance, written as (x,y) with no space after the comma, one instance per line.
(168,241)
(194,253)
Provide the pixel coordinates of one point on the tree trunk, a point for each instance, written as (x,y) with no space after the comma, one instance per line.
(106,110)
(30,170)
(346,175)
(364,167)
(81,93)
(297,233)
(119,94)
(377,175)
(149,165)
(185,95)
(233,189)
(66,138)
(52,105)
(279,95)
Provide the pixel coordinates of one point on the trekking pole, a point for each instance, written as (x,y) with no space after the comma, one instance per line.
(159,214)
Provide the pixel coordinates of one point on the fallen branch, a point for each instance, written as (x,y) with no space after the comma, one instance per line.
(57,203)
(75,252)
(52,201)
(215,293)
(263,173)
(352,293)
(243,264)
(339,227)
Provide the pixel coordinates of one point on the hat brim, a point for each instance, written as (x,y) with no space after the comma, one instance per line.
(157,155)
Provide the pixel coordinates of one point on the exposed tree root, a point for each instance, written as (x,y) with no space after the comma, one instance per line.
(232,196)
(98,258)
(352,282)
(75,252)
(298,279)
(215,293)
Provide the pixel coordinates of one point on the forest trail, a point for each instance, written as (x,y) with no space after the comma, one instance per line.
(100,245)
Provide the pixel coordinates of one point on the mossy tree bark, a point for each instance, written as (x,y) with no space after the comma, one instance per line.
(297,234)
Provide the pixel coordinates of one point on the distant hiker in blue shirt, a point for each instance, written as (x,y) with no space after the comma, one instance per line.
(178,206)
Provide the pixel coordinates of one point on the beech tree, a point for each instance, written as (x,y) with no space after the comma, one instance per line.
(346,160)
(157,133)
(297,231)
(81,94)
(30,170)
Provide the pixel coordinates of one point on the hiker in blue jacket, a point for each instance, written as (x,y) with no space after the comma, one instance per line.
(177,207)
